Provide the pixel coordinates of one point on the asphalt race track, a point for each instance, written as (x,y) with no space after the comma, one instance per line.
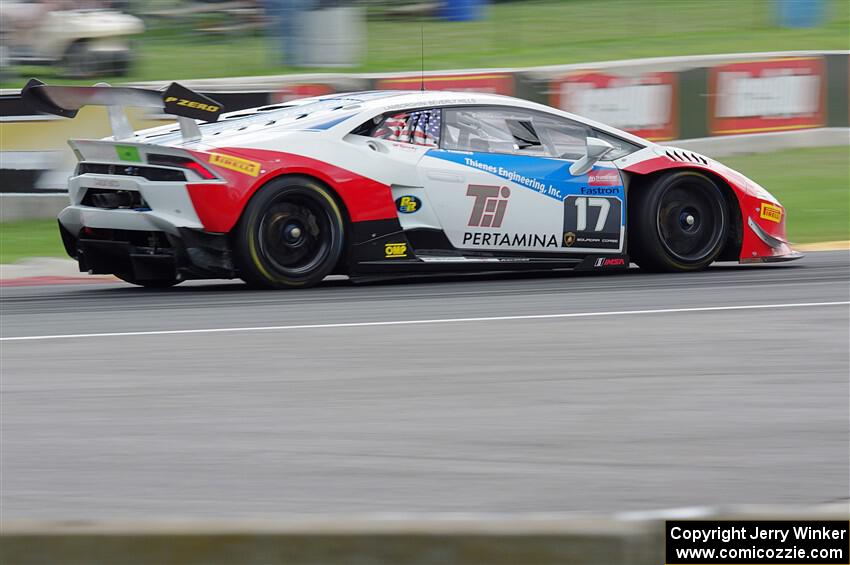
(737,392)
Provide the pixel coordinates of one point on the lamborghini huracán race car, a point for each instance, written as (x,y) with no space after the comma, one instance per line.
(387,183)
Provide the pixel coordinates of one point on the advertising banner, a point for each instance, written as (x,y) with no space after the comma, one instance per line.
(770,95)
(295,91)
(645,104)
(492,83)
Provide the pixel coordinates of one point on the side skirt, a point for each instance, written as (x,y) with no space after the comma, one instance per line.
(380,249)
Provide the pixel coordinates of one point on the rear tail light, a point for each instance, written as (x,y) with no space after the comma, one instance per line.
(150,173)
(200,169)
(181,162)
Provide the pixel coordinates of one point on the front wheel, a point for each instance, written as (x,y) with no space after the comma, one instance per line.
(291,235)
(678,223)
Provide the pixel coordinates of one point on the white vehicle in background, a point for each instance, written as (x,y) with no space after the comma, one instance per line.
(82,42)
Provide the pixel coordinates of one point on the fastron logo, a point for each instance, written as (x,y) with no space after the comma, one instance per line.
(603,177)
(490,205)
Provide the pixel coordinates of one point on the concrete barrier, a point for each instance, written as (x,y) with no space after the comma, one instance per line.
(625,539)
(725,146)
(22,206)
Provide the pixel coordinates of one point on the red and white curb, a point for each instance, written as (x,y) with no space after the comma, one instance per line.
(40,271)
(50,280)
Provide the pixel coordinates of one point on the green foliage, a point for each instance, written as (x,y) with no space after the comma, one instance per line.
(813,184)
(30,238)
(522,33)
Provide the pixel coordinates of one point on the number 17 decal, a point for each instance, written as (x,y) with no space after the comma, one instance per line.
(592,222)
(582,202)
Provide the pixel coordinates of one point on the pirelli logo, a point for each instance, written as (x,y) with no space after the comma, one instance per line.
(770,212)
(251,168)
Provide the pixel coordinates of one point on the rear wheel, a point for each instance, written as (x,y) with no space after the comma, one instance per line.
(678,223)
(290,235)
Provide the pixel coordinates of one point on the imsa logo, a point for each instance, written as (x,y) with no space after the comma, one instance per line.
(395,250)
(609,262)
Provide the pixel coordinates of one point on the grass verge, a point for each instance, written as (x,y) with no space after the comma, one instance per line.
(813,184)
(30,238)
(513,34)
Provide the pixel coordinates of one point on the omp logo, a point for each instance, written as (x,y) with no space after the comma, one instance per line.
(490,205)
(244,166)
(192,104)
(603,177)
(610,262)
(770,212)
(393,250)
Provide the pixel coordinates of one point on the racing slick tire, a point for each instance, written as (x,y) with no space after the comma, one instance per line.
(291,234)
(678,223)
(149,283)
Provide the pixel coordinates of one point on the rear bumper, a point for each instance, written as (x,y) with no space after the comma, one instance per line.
(166,205)
(149,253)
(155,234)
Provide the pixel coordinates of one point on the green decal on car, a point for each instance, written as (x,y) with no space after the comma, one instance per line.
(128,153)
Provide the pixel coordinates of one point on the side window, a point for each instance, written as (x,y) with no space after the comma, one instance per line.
(513,130)
(419,127)
(491,130)
(563,138)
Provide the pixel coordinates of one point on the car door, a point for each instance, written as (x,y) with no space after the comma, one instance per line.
(500,180)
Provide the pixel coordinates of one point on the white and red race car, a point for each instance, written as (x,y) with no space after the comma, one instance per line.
(392,182)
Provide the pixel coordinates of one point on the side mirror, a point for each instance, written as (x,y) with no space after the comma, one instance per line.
(594,151)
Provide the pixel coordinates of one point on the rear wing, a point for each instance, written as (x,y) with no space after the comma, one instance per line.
(177,100)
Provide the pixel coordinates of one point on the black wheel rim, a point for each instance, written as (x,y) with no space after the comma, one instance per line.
(295,234)
(690,221)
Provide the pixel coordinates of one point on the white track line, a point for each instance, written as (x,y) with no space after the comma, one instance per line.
(434,321)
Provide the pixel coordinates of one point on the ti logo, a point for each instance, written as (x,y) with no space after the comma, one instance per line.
(490,205)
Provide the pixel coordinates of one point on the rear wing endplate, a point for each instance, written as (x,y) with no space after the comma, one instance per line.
(177,100)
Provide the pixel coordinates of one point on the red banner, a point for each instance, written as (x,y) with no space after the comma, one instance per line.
(492,83)
(770,95)
(645,105)
(295,91)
